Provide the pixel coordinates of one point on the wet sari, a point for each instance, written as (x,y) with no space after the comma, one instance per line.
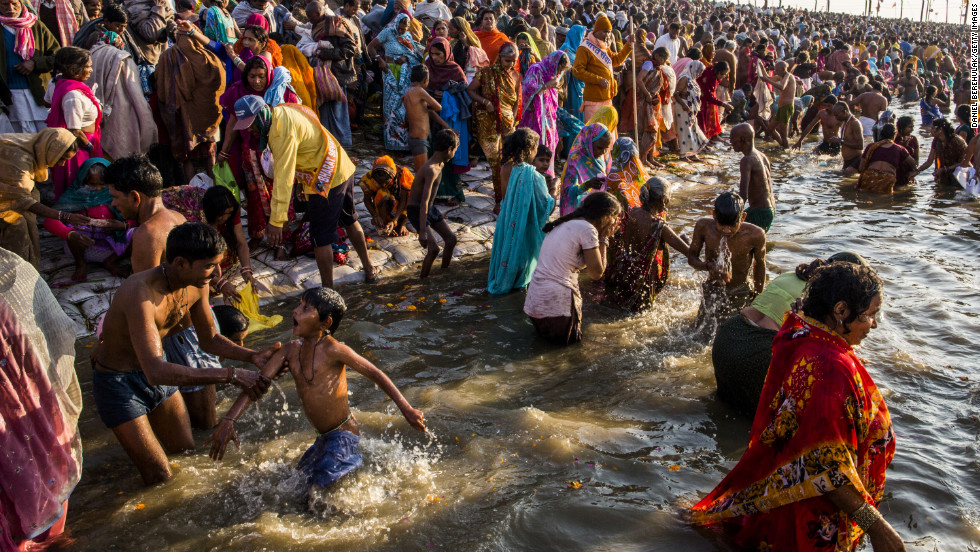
(541,103)
(582,165)
(949,153)
(517,241)
(633,278)
(821,423)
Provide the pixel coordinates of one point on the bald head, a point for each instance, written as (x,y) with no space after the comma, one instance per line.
(314,11)
(781,68)
(743,138)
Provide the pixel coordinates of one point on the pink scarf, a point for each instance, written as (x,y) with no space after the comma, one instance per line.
(24,42)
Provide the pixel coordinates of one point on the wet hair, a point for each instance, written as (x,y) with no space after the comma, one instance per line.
(805,271)
(721,67)
(963,113)
(114,13)
(328,304)
(134,173)
(70,61)
(830,100)
(543,151)
(662,52)
(419,74)
(194,241)
(258,32)
(728,209)
(945,126)
(520,146)
(230,320)
(930,91)
(887,132)
(655,190)
(855,285)
(216,202)
(95,169)
(444,140)
(905,122)
(595,206)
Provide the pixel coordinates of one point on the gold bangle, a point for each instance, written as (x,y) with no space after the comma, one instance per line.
(866,516)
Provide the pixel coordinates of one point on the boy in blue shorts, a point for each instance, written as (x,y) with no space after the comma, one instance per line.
(318,364)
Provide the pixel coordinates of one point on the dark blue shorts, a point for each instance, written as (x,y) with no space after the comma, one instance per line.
(183,348)
(327,213)
(124,396)
(332,456)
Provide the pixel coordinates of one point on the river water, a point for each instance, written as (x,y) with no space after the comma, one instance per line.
(591,447)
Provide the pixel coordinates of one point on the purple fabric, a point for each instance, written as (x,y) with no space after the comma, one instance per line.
(541,104)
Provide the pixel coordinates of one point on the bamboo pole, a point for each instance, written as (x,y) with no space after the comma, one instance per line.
(636,122)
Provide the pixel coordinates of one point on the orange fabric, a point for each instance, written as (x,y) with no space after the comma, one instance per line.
(272,48)
(491,41)
(302,74)
(588,69)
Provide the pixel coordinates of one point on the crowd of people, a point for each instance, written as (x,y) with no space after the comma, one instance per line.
(140,132)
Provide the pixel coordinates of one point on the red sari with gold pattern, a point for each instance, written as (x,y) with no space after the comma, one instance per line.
(821,423)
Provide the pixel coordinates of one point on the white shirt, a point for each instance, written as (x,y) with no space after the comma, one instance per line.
(77,108)
(555,279)
(672,45)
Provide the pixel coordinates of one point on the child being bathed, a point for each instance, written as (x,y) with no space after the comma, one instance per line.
(318,364)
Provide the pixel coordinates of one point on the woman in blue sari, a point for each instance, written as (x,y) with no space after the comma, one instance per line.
(573,101)
(523,213)
(401,54)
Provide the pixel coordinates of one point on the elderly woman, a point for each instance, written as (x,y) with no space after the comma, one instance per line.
(946,152)
(496,93)
(574,242)
(883,162)
(540,91)
(401,53)
(687,107)
(75,107)
(822,437)
(28,52)
(586,165)
(639,262)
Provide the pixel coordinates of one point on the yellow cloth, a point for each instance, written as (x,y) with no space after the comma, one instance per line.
(602,23)
(302,74)
(298,142)
(249,305)
(24,160)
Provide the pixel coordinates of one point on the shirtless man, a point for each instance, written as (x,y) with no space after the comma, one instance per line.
(755,184)
(910,86)
(785,82)
(851,138)
(135,186)
(133,386)
(829,127)
(871,105)
(731,248)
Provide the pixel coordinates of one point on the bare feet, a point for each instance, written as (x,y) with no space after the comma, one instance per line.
(281,254)
(81,272)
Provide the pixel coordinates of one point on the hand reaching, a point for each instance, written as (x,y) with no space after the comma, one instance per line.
(261,357)
(219,440)
(252,382)
(415,418)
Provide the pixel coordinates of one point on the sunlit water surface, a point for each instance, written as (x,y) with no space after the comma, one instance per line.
(515,425)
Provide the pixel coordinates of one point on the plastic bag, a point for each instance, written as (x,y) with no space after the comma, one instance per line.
(967,177)
(224,177)
(249,305)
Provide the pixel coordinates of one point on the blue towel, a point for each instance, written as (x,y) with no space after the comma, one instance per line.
(332,456)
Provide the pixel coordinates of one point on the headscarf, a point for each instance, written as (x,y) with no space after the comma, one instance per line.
(302,76)
(258,20)
(403,44)
(692,72)
(22,24)
(573,39)
(448,71)
(263,124)
(581,166)
(535,80)
(607,116)
(466,31)
(491,41)
(627,174)
(79,196)
(281,79)
(544,47)
(498,84)
(533,45)
(216,25)
(25,160)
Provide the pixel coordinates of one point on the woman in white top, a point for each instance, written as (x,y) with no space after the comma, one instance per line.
(572,243)
(74,107)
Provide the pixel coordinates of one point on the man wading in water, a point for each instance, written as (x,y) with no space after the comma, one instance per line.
(134,386)
(755,185)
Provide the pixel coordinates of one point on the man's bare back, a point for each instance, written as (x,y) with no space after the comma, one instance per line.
(418,102)
(149,243)
(871,104)
(756,180)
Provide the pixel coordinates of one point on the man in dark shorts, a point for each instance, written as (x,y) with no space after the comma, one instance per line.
(421,200)
(133,384)
(306,152)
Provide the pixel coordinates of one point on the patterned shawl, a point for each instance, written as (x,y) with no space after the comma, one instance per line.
(627,174)
(448,71)
(24,41)
(581,166)
(503,89)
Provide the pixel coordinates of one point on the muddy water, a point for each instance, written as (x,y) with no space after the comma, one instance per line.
(589,447)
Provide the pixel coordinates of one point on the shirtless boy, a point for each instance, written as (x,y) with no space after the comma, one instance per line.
(133,385)
(755,184)
(318,364)
(829,127)
(419,106)
(871,104)
(785,82)
(726,290)
(909,86)
(135,185)
(851,138)
(422,214)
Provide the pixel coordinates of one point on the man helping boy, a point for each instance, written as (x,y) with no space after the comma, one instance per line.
(318,362)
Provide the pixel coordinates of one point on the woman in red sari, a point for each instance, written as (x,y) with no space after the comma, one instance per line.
(708,118)
(814,469)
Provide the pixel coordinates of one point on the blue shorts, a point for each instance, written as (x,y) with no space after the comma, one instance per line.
(124,396)
(332,456)
(183,348)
